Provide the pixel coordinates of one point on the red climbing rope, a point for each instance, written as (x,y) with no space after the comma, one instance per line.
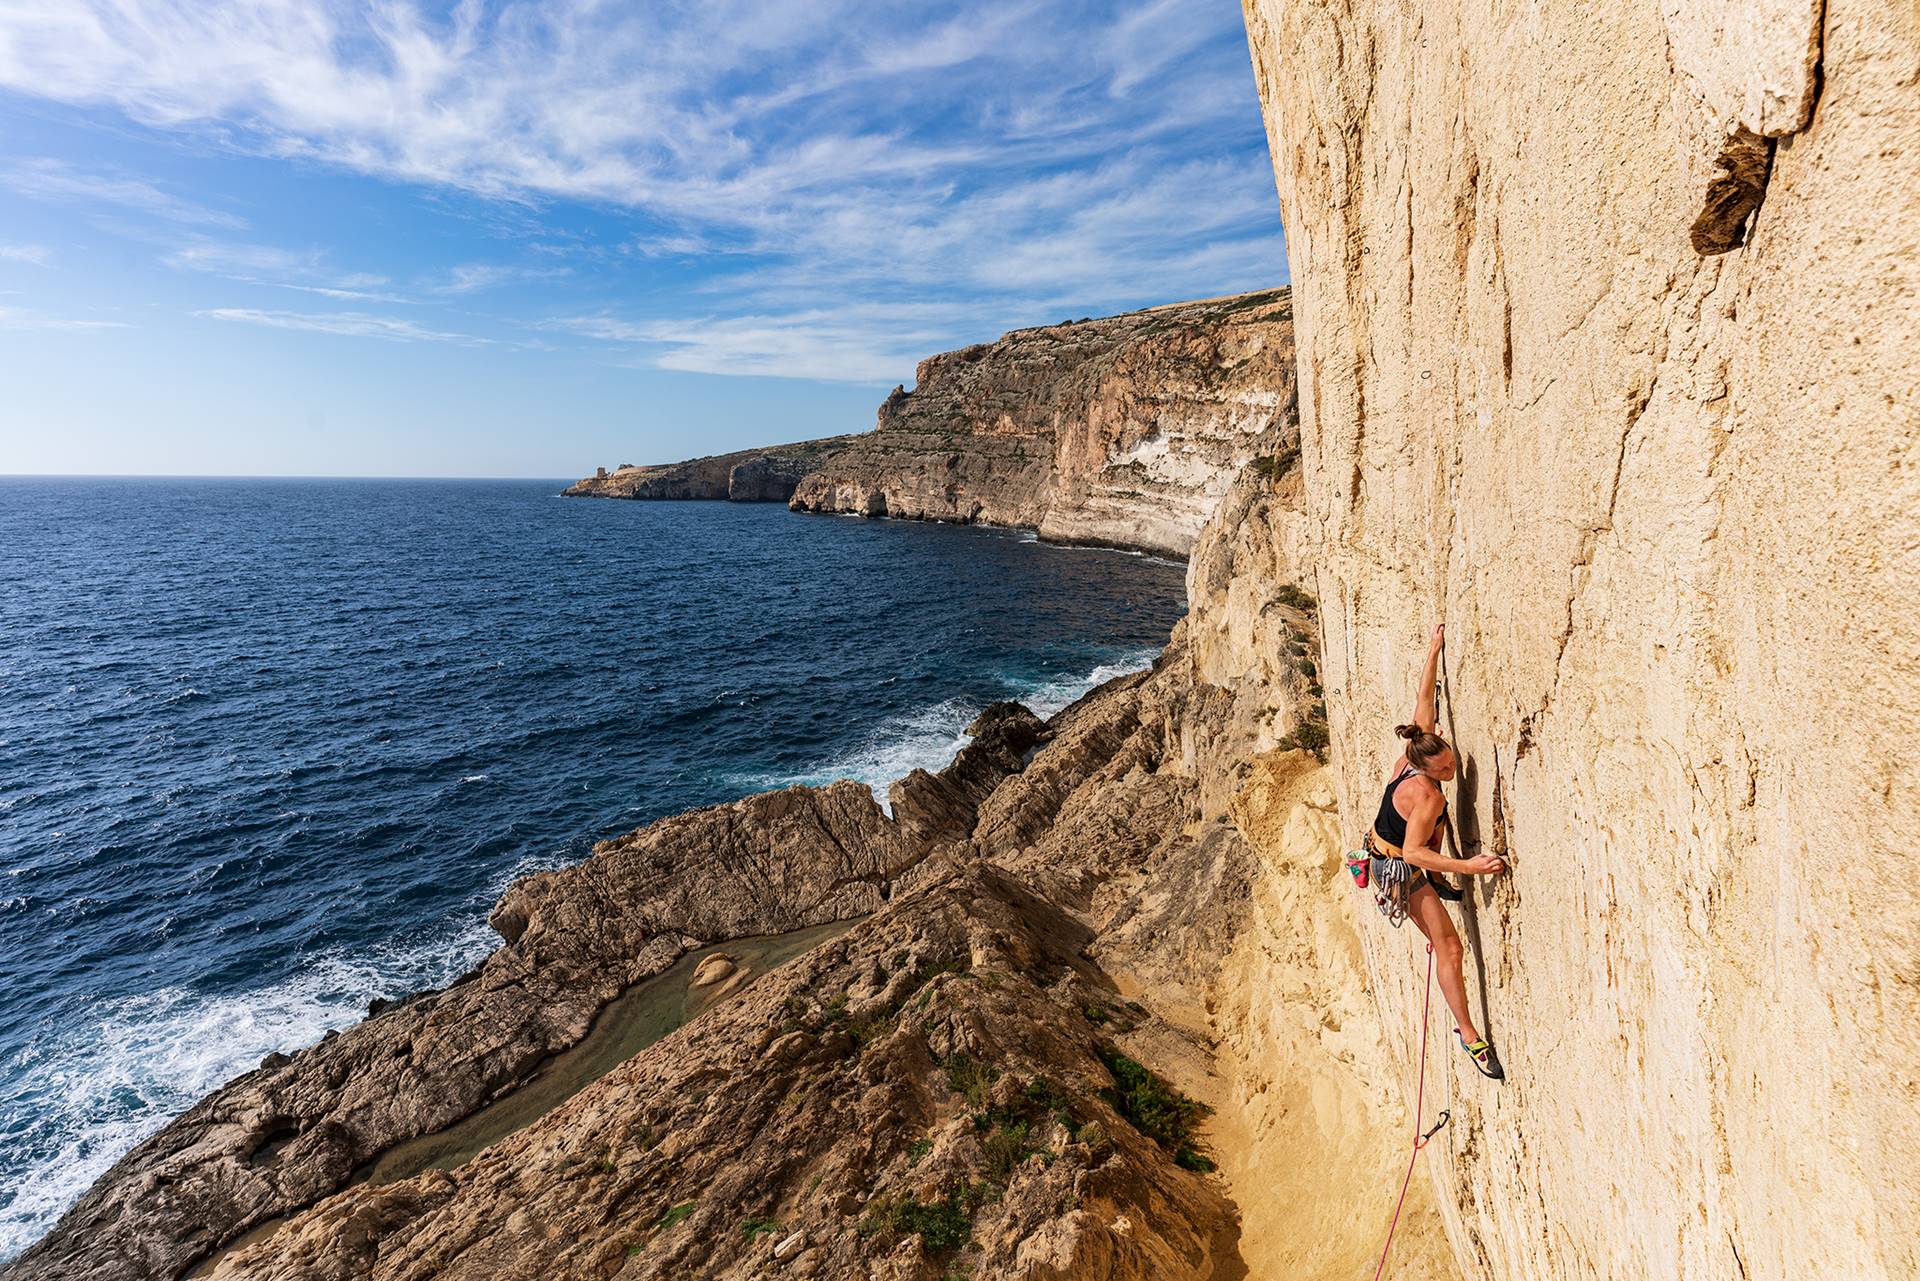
(1420,1137)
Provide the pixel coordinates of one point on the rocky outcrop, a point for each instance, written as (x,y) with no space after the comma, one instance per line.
(296,1130)
(1121,431)
(766,475)
(1606,318)
(925,1089)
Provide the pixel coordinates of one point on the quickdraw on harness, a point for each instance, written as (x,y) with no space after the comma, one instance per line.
(1390,877)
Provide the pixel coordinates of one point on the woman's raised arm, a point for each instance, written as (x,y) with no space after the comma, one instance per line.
(1423,709)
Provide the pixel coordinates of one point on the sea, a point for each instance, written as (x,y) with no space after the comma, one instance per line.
(270,749)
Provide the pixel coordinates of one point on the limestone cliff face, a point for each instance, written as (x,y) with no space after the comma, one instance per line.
(766,475)
(1123,430)
(1607,357)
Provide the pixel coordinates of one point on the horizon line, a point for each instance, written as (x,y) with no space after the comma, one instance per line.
(168,475)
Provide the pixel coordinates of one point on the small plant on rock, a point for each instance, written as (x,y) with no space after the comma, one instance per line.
(1292,595)
(1312,736)
(971,1079)
(1154,1108)
(942,1225)
(1005,1150)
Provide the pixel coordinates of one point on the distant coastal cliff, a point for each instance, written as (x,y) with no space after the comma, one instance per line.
(745,476)
(1122,431)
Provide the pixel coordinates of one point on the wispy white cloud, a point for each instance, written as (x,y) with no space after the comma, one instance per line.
(32,255)
(859,343)
(21,318)
(827,160)
(350,324)
(278,268)
(474,276)
(46,179)
(337,292)
(230,259)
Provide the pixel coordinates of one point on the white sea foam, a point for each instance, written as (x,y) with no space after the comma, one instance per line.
(88,1094)
(1047,697)
(923,739)
(930,737)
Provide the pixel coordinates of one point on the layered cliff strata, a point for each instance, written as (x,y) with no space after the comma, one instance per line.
(767,475)
(1606,321)
(1123,430)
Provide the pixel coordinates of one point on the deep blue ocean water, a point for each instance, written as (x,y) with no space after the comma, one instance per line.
(271,748)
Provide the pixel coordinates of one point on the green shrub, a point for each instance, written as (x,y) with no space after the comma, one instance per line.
(942,1225)
(869,1028)
(1153,1107)
(673,1216)
(975,1195)
(971,1079)
(1291,595)
(1312,735)
(917,1150)
(1005,1150)
(753,1225)
(1044,1094)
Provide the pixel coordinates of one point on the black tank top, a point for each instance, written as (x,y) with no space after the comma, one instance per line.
(1388,824)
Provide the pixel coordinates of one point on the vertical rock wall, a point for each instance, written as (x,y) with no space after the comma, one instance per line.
(1607,321)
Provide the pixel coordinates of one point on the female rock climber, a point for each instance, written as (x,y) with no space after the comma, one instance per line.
(1407,828)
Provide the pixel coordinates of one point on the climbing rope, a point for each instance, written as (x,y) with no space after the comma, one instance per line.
(1420,1136)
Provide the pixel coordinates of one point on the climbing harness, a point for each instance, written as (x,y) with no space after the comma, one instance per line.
(1420,1137)
(1391,877)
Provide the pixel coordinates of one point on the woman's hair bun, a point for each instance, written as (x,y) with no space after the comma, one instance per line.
(1408,732)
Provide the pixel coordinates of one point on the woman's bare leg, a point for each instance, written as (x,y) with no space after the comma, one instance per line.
(1430,914)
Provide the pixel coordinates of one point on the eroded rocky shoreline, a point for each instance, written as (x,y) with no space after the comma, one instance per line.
(980,1071)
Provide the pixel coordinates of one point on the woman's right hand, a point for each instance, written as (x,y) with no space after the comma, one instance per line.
(1484,865)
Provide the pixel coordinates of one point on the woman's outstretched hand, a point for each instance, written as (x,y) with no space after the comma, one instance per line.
(1483,865)
(1439,637)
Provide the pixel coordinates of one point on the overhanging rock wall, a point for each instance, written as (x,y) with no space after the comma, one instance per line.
(1607,326)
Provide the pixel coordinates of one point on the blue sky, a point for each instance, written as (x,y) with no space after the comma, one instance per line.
(500,239)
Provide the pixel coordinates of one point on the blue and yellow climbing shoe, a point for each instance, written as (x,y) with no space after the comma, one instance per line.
(1483,1057)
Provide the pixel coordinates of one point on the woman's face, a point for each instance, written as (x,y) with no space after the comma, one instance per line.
(1441,768)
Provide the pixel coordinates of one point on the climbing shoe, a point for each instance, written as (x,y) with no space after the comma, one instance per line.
(1443,887)
(1483,1058)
